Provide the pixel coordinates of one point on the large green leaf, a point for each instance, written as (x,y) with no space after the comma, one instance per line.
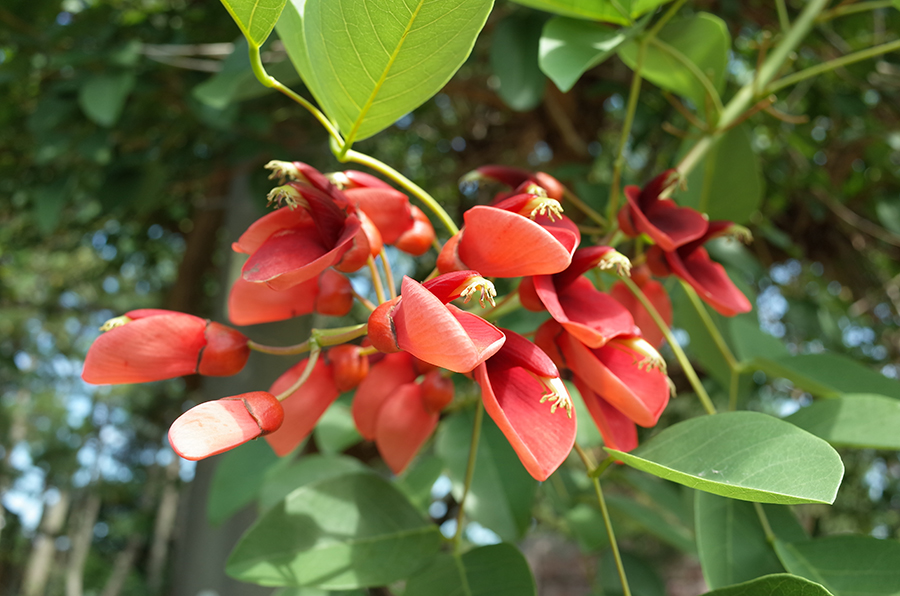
(502,491)
(369,62)
(281,481)
(336,430)
(255,18)
(622,12)
(846,565)
(570,47)
(317,592)
(236,479)
(496,570)
(728,182)
(779,584)
(688,51)
(829,375)
(102,97)
(752,342)
(859,420)
(416,482)
(665,527)
(642,577)
(731,541)
(743,455)
(340,533)
(514,60)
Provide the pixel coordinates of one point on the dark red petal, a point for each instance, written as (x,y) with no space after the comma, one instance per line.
(226,351)
(587,313)
(447,287)
(304,407)
(403,427)
(382,381)
(512,398)
(518,351)
(148,349)
(710,281)
(217,426)
(672,226)
(618,431)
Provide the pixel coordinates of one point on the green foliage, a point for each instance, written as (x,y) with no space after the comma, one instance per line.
(237,478)
(778,584)
(283,479)
(499,570)
(255,18)
(514,58)
(102,97)
(341,533)
(621,12)
(853,420)
(742,455)
(829,375)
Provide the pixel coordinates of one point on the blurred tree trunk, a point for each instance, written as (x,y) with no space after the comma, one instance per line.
(166,514)
(122,566)
(82,536)
(43,551)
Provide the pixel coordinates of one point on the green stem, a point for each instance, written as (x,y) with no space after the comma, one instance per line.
(381,167)
(319,337)
(746,96)
(818,69)
(620,567)
(271,82)
(310,364)
(783,18)
(388,274)
(845,9)
(663,20)
(679,353)
(764,520)
(376,280)
(633,94)
(710,325)
(470,473)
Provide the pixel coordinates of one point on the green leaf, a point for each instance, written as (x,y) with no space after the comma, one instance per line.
(688,50)
(586,525)
(867,421)
(102,97)
(829,375)
(732,188)
(255,18)
(751,342)
(370,62)
(895,4)
(496,570)
(702,346)
(49,201)
(340,533)
(587,434)
(779,584)
(336,430)
(845,565)
(236,479)
(642,578)
(622,12)
(571,47)
(514,60)
(282,481)
(731,541)
(665,527)
(317,592)
(742,455)
(417,481)
(502,491)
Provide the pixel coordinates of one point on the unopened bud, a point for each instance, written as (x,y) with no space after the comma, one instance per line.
(437,391)
(349,366)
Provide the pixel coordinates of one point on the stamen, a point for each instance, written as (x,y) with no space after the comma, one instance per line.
(290,195)
(556,394)
(616,260)
(672,391)
(339,179)
(739,233)
(542,205)
(116,322)
(283,170)
(536,190)
(652,359)
(478,284)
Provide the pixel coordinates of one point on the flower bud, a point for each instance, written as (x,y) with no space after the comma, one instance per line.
(226,351)
(348,366)
(335,297)
(437,392)
(381,328)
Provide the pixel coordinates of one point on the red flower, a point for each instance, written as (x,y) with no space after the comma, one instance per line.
(223,424)
(303,407)
(618,431)
(658,297)
(518,179)
(152,345)
(526,234)
(691,263)
(667,224)
(421,322)
(397,413)
(420,237)
(292,245)
(572,300)
(251,303)
(515,384)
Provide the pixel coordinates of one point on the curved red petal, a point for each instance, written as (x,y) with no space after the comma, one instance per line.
(418,239)
(389,210)
(148,349)
(672,226)
(383,379)
(260,230)
(251,303)
(448,259)
(214,427)
(618,431)
(658,297)
(304,407)
(499,243)
(403,427)
(518,351)
(512,398)
(710,281)
(592,316)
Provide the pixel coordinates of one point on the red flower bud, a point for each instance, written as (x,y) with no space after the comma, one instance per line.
(335,294)
(420,237)
(348,366)
(437,391)
(226,351)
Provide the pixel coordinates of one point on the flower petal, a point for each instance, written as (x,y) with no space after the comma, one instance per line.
(383,379)
(304,407)
(658,297)
(587,313)
(152,348)
(618,431)
(389,210)
(673,226)
(251,303)
(710,281)
(403,427)
(260,230)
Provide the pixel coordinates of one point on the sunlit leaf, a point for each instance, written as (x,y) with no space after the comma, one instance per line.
(496,570)
(779,584)
(829,375)
(743,455)
(255,18)
(281,481)
(236,479)
(622,12)
(853,420)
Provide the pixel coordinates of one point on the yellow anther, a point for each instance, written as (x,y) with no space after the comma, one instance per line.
(542,206)
(616,260)
(481,286)
(536,190)
(290,195)
(116,322)
(339,179)
(283,170)
(652,359)
(557,395)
